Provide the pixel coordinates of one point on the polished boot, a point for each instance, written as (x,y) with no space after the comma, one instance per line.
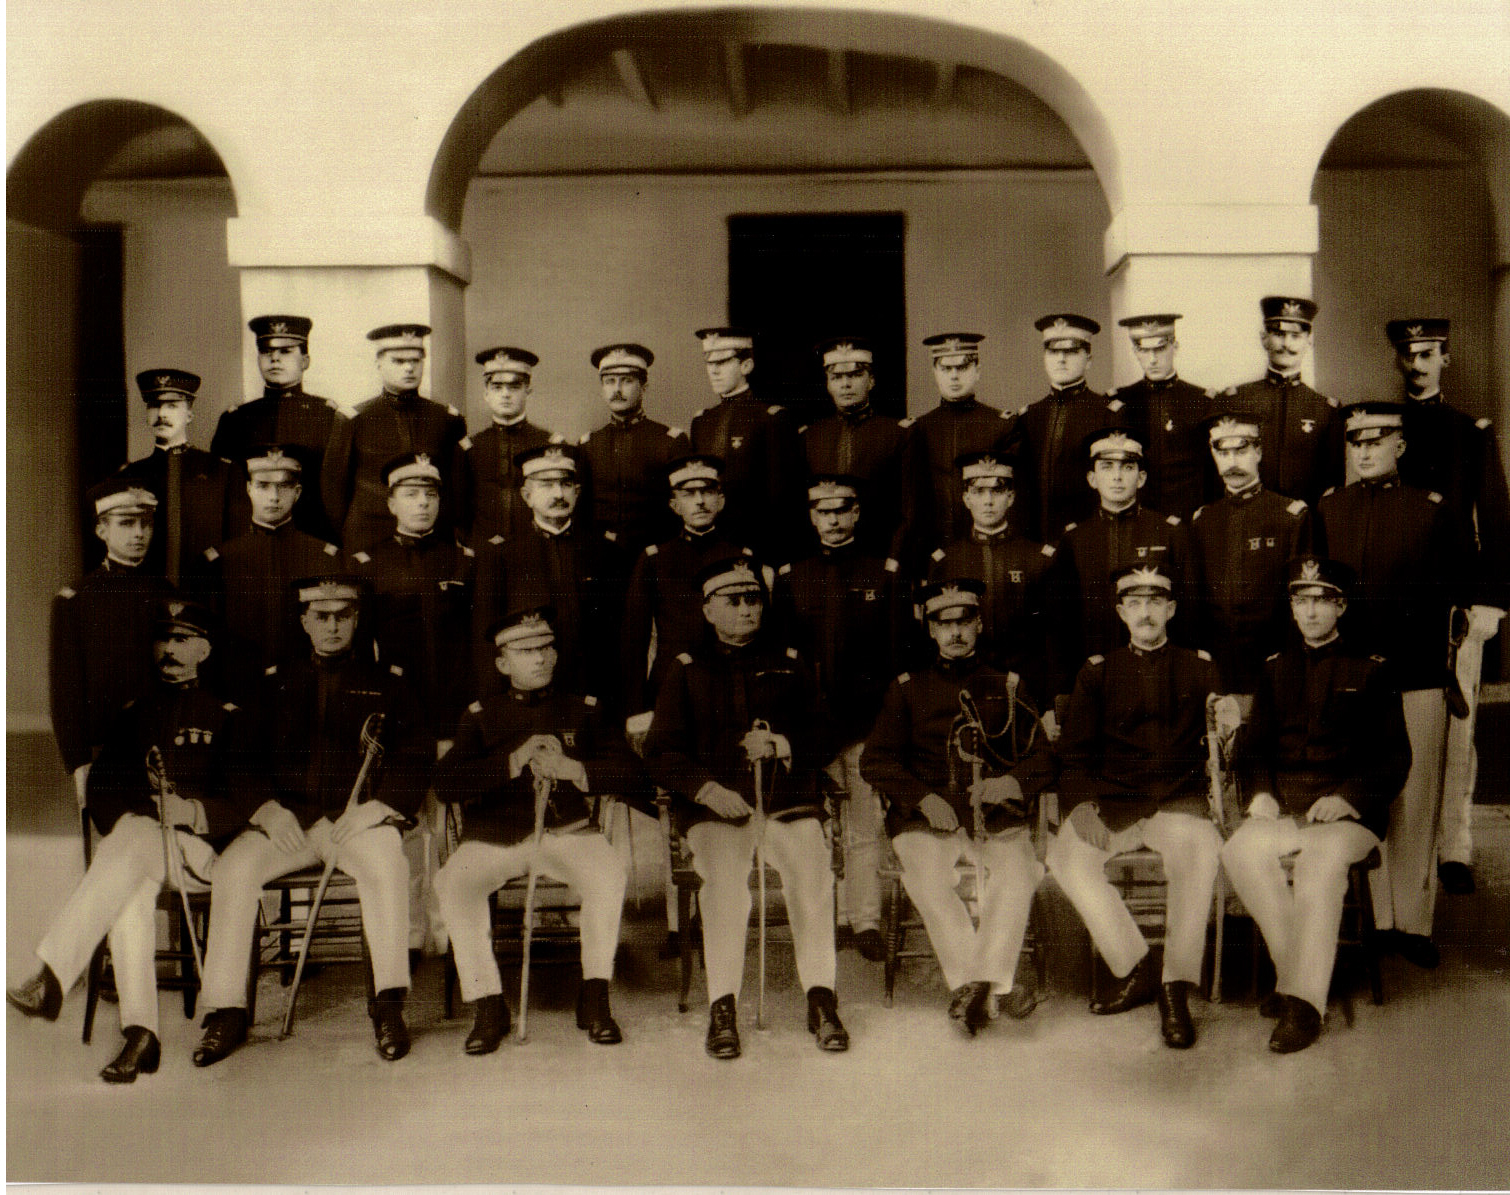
(1414,948)
(1019,1003)
(823,1020)
(723,1029)
(970,1006)
(1174,1015)
(1299,1025)
(224,1030)
(1456,878)
(871,945)
(490,1025)
(40,996)
(140,1055)
(1271,1006)
(388,1024)
(1137,987)
(594,1015)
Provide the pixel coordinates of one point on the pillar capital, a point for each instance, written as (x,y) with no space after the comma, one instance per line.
(364,241)
(1210,229)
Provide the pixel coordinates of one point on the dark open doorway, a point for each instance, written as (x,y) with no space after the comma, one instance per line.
(798,279)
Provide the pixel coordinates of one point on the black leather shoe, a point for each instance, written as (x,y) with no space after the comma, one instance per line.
(224,1030)
(388,1024)
(1174,1016)
(1137,987)
(490,1025)
(1299,1025)
(40,996)
(1019,1003)
(1271,1006)
(593,1013)
(1456,878)
(723,1029)
(823,1020)
(970,1006)
(871,945)
(140,1055)
(1417,949)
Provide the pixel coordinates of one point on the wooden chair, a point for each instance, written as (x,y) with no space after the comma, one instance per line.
(281,921)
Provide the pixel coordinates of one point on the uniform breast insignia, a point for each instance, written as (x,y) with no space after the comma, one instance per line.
(475,708)
(1297,507)
(684,658)
(1116,404)
(1173,520)
(211,555)
(66,592)
(870,595)
(1308,426)
(1378,659)
(466,444)
(1048,550)
(1016,575)
(496,540)
(329,550)
(1254,541)
(938,554)
(363,557)
(1169,425)
(736,441)
(569,739)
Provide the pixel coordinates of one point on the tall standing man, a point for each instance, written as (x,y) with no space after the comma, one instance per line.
(489,499)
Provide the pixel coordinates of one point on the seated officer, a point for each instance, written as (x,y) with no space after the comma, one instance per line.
(309,719)
(506,747)
(1133,758)
(740,712)
(1324,756)
(192,731)
(920,756)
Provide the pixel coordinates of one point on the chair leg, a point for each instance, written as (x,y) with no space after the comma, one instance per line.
(684,917)
(449,983)
(95,974)
(1368,933)
(894,899)
(254,969)
(186,972)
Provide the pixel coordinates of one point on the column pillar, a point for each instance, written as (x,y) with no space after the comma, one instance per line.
(1211,263)
(349,276)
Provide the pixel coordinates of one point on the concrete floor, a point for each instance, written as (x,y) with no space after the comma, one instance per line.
(1414,1094)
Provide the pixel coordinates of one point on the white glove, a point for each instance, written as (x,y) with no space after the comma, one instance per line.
(1265,806)
(999,790)
(280,825)
(639,724)
(80,783)
(180,811)
(1484,621)
(723,801)
(359,817)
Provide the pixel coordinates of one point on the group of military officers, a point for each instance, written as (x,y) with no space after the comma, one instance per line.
(929,622)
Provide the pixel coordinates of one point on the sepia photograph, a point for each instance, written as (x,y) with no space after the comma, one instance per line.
(831,594)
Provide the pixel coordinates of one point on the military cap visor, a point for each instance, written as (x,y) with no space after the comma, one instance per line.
(1318,576)
(274,331)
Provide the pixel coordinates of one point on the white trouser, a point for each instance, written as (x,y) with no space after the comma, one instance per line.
(721,855)
(965,953)
(1190,849)
(864,824)
(118,897)
(422,841)
(1405,886)
(374,858)
(1455,837)
(1299,924)
(585,860)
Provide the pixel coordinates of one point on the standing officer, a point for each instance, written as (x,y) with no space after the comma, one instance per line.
(1243,543)
(847,612)
(737,739)
(101,627)
(1413,557)
(250,578)
(1324,756)
(934,729)
(961,423)
(397,420)
(1457,456)
(1172,412)
(1055,427)
(191,484)
(1013,569)
(489,492)
(118,895)
(1300,429)
(857,441)
(758,444)
(308,724)
(507,748)
(285,415)
(1134,756)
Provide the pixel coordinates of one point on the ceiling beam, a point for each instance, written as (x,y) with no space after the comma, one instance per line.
(735,83)
(943,86)
(838,80)
(632,80)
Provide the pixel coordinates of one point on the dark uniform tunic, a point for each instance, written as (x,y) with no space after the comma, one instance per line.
(421,616)
(308,717)
(101,653)
(951,429)
(710,701)
(664,598)
(1243,543)
(490,501)
(1414,561)
(1014,620)
(1133,737)
(848,613)
(883,453)
(301,422)
(501,810)
(356,495)
(1300,432)
(1176,451)
(1326,721)
(1051,486)
(1457,456)
(192,488)
(1089,556)
(763,472)
(249,581)
(910,754)
(624,482)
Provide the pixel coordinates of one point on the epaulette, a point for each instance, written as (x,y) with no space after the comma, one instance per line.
(1048,549)
(475,708)
(589,700)
(783,570)
(892,564)
(1433,496)
(229,707)
(270,670)
(1331,402)
(466,444)
(611,536)
(1297,507)
(1274,657)
(558,438)
(584,437)
(1096,659)
(1482,424)
(773,409)
(908,422)
(211,555)
(1329,491)
(802,429)
(791,654)
(495,540)
(675,433)
(651,549)
(1199,510)
(450,410)
(363,557)
(1023,410)
(1068,527)
(395,669)
(1116,404)
(684,658)
(938,554)
(328,549)
(747,552)
(1006,414)
(903,677)
(466,551)
(66,592)
(1204,654)
(1172,520)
